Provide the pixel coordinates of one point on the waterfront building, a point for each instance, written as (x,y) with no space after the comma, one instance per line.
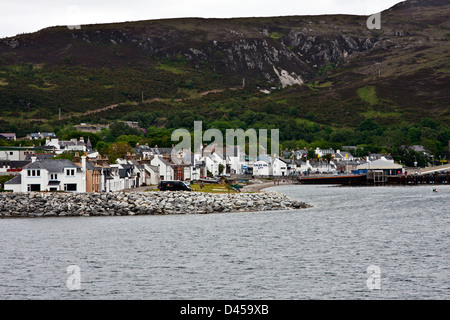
(387,167)
(50,175)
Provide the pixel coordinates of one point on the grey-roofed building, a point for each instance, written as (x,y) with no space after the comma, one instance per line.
(300,154)
(342,155)
(12,164)
(42,135)
(40,157)
(387,167)
(52,175)
(14,184)
(379,156)
(8,136)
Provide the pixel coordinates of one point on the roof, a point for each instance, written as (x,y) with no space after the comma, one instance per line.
(8,135)
(16,180)
(167,163)
(90,165)
(13,164)
(379,165)
(44,134)
(342,154)
(53,165)
(39,156)
(285,160)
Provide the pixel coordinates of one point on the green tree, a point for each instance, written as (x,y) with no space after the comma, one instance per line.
(118,150)
(119,128)
(221,168)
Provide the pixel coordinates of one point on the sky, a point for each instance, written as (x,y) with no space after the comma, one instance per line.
(24,16)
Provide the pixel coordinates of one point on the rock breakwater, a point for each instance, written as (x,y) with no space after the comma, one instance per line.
(37,204)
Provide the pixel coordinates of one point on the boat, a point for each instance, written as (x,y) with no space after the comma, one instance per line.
(209,180)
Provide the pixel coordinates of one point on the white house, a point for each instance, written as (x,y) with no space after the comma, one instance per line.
(72,145)
(8,136)
(343,156)
(281,167)
(151,174)
(164,167)
(303,166)
(110,179)
(235,160)
(13,153)
(322,152)
(42,135)
(50,175)
(262,168)
(213,161)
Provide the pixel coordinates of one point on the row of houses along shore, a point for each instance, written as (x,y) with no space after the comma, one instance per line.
(91,172)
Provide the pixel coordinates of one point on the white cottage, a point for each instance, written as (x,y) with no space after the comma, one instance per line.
(50,175)
(164,167)
(281,167)
(262,168)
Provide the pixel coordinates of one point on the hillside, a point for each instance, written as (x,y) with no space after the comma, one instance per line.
(331,71)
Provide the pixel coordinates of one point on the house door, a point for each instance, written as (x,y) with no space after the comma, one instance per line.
(34,187)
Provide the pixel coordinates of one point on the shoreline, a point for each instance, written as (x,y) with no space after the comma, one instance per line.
(35,204)
(259,187)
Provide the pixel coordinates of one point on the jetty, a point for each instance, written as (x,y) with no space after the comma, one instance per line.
(56,204)
(432,175)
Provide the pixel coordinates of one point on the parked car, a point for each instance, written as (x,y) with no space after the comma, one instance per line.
(173,186)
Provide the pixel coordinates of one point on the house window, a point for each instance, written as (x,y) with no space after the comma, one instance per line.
(70,187)
(38,173)
(70,172)
(53,176)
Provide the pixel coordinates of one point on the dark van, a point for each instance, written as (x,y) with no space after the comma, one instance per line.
(173,186)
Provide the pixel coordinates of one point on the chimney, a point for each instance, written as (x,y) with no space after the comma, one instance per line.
(33,159)
(76,158)
(83,162)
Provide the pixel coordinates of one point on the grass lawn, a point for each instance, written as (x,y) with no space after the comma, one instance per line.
(208,188)
(212,188)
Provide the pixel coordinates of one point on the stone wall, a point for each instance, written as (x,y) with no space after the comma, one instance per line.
(139,203)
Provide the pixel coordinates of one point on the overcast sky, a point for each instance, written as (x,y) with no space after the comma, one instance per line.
(19,16)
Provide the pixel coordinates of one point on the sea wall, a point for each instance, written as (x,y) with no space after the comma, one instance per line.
(37,204)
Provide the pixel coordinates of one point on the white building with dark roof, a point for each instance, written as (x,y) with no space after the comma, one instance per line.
(69,146)
(342,156)
(164,167)
(42,135)
(50,175)
(283,167)
(8,136)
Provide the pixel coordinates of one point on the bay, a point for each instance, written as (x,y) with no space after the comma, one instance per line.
(319,253)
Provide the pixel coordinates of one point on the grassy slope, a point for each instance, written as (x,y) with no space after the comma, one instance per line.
(399,82)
